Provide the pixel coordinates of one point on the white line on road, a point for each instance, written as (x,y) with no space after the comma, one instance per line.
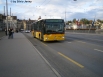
(94,39)
(81,41)
(86,42)
(69,42)
(98,50)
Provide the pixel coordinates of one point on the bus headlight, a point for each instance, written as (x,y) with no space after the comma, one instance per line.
(46,38)
(62,37)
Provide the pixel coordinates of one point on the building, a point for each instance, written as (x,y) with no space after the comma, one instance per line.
(2,24)
(25,24)
(12,21)
(19,24)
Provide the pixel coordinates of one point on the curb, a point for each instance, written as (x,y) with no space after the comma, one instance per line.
(55,72)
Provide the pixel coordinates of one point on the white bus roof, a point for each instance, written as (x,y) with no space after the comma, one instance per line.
(51,17)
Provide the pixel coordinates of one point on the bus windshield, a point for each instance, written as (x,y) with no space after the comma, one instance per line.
(54,27)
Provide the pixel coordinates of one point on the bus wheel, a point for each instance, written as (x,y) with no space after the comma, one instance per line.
(40,38)
(34,35)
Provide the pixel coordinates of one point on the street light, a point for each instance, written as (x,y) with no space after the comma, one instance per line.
(66,12)
(7,15)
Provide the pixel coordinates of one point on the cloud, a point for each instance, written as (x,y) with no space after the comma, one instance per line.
(0,1)
(69,8)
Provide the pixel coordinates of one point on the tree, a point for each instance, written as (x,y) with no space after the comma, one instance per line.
(74,20)
(101,21)
(85,21)
(98,20)
(69,21)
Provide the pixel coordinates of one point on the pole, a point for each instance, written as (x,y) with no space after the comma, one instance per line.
(12,20)
(7,15)
(91,25)
(65,18)
(10,17)
(4,10)
(10,11)
(65,15)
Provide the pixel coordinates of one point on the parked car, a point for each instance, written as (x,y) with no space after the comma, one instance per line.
(21,30)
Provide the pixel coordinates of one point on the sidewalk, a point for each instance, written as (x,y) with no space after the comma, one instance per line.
(2,33)
(18,58)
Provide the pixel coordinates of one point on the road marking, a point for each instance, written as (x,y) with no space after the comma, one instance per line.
(86,42)
(69,42)
(71,60)
(52,68)
(98,50)
(81,41)
(44,44)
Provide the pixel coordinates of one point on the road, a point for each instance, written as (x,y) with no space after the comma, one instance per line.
(80,55)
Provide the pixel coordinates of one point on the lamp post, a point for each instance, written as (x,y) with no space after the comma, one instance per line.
(65,16)
(7,15)
(66,12)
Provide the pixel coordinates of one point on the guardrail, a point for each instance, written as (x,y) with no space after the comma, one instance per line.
(82,30)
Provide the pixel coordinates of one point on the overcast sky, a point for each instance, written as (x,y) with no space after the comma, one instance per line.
(66,9)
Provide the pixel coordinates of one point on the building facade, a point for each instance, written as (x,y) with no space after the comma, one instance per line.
(2,24)
(12,21)
(24,24)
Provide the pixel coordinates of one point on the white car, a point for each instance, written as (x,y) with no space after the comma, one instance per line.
(27,31)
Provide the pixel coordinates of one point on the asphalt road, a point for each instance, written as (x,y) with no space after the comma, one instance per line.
(80,55)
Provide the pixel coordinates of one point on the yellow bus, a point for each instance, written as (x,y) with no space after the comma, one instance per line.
(49,29)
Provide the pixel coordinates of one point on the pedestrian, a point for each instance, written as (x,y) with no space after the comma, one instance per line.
(10,32)
(5,31)
(16,30)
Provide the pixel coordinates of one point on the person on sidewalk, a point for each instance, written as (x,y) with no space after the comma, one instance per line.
(10,32)
(5,31)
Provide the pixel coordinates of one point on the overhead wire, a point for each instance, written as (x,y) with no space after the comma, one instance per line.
(42,4)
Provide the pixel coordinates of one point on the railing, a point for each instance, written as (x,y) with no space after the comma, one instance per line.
(81,30)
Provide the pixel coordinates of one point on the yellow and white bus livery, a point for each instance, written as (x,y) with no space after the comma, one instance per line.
(49,29)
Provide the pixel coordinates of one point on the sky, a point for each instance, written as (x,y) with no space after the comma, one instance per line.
(65,9)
